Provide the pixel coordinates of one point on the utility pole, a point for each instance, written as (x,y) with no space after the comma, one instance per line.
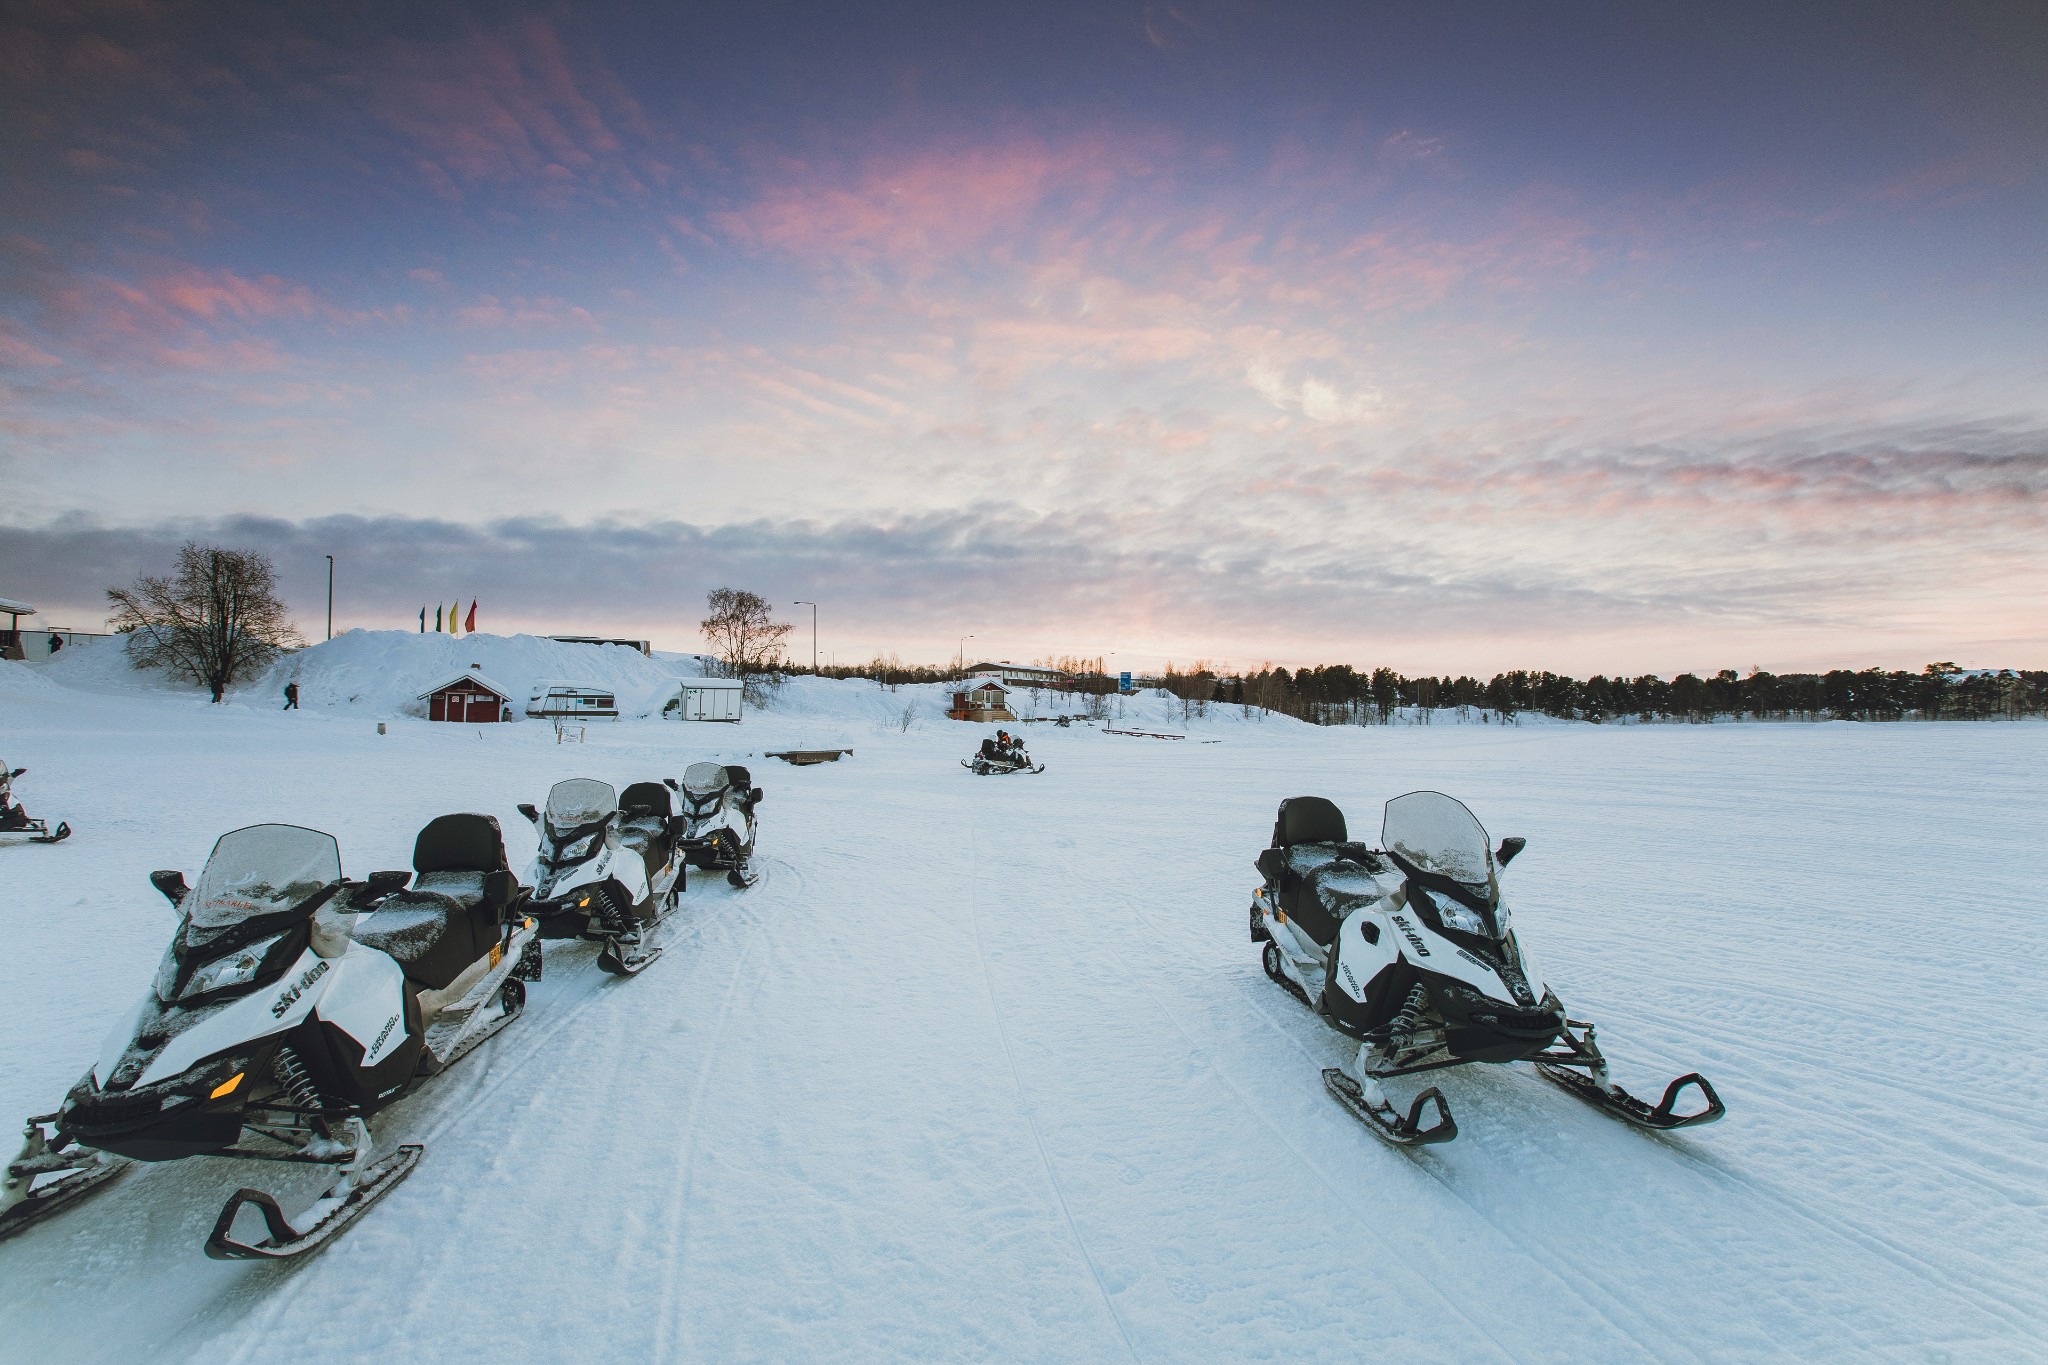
(330,597)
(961,667)
(814,631)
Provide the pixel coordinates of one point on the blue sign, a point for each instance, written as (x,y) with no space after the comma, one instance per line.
(1123,682)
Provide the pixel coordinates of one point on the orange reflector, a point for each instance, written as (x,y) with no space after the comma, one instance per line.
(1280,915)
(227,1087)
(497,951)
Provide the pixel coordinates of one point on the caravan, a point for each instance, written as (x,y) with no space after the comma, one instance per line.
(558,700)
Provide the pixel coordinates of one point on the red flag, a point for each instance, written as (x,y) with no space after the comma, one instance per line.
(470,624)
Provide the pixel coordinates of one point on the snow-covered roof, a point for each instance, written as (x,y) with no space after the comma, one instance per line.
(712,684)
(543,684)
(14,608)
(984,685)
(467,675)
(1020,670)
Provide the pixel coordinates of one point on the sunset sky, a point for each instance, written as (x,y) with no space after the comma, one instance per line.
(1447,337)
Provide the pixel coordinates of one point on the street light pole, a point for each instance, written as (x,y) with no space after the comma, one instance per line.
(961,667)
(330,597)
(814,631)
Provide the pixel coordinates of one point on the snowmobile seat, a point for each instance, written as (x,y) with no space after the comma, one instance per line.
(1309,835)
(449,917)
(653,833)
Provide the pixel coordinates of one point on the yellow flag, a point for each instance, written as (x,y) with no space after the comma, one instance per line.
(451,622)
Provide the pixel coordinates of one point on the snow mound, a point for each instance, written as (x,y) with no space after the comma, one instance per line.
(20,680)
(384,671)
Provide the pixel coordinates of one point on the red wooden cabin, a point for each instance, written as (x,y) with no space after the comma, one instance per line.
(468,698)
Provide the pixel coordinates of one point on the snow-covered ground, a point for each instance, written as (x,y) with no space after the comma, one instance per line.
(987,1069)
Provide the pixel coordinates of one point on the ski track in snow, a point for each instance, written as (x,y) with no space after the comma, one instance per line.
(986,1069)
(1024,1100)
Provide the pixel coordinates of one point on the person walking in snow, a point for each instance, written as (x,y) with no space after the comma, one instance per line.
(291,695)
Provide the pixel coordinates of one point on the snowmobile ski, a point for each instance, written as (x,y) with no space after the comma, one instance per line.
(981,767)
(37,832)
(83,1173)
(1612,1099)
(343,1203)
(1577,1065)
(743,876)
(1385,1120)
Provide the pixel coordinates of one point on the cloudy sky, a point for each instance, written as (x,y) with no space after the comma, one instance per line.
(1449,337)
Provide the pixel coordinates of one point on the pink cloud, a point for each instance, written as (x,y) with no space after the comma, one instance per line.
(928,205)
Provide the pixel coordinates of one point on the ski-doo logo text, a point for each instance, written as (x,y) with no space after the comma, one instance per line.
(378,1046)
(1414,939)
(293,992)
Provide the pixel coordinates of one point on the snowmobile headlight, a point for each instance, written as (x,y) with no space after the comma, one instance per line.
(1458,917)
(238,968)
(578,848)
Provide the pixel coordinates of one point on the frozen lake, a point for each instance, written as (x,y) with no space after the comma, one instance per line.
(987,1068)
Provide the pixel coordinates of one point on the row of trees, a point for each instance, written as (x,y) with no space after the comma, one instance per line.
(1341,695)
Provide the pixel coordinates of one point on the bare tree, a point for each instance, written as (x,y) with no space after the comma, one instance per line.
(743,632)
(216,620)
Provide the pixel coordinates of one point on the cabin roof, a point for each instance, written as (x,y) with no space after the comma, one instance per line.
(472,677)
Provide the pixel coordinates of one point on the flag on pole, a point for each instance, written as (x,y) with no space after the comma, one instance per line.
(423,620)
(437,617)
(451,620)
(470,623)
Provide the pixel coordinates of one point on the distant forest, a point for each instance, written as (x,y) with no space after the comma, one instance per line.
(1338,694)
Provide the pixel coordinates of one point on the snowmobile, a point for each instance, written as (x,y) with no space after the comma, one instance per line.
(719,826)
(997,759)
(608,867)
(1410,949)
(16,825)
(291,1006)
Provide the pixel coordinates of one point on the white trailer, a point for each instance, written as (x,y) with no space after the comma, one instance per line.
(555,699)
(705,699)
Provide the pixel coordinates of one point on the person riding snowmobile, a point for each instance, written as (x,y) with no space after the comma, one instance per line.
(15,819)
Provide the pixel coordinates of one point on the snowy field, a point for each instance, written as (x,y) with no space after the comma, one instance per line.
(986,1069)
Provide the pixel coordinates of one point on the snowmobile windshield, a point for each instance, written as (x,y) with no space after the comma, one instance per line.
(580,801)
(262,870)
(1437,834)
(704,778)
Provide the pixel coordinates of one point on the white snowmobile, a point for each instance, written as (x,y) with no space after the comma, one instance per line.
(16,825)
(608,868)
(290,1007)
(999,757)
(1411,950)
(719,826)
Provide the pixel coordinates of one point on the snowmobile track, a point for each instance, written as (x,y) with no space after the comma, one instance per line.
(1024,1100)
(1415,1158)
(673,1223)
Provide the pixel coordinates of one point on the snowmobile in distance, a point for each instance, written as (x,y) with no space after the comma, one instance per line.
(719,825)
(1410,949)
(608,867)
(999,756)
(16,825)
(291,1006)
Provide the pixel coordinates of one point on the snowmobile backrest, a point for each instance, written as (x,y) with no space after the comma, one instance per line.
(1309,820)
(460,843)
(740,778)
(652,796)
